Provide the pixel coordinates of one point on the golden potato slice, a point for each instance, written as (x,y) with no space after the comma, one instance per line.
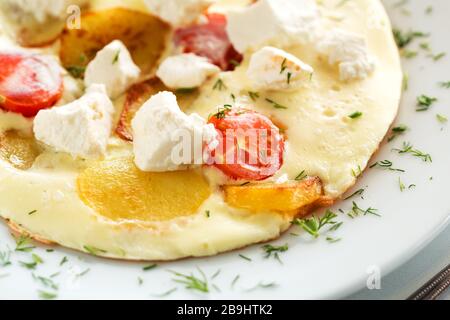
(135,98)
(138,94)
(118,190)
(144,35)
(20,151)
(287,197)
(32,33)
(26,29)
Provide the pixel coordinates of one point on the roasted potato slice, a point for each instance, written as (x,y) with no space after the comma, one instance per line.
(135,98)
(287,197)
(31,33)
(138,94)
(144,35)
(118,190)
(26,29)
(19,150)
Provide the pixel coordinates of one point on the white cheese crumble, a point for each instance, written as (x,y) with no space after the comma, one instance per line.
(274,22)
(185,71)
(41,10)
(282,179)
(349,52)
(274,69)
(178,12)
(81,128)
(166,139)
(113,67)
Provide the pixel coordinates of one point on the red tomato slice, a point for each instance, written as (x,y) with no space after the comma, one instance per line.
(28,83)
(251,146)
(209,40)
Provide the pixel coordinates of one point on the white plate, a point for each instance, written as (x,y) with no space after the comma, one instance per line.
(311,268)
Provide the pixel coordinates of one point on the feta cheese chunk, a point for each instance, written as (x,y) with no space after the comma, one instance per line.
(157,128)
(274,69)
(350,52)
(273,22)
(185,71)
(81,128)
(113,67)
(178,12)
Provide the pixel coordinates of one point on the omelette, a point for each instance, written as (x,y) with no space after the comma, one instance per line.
(326,84)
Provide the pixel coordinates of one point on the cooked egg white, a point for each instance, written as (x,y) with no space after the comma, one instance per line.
(322,140)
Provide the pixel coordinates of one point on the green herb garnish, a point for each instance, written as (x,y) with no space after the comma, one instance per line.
(396,131)
(245,257)
(405,82)
(358,192)
(82,273)
(116,57)
(409,149)
(235,280)
(192,282)
(313,225)
(445,85)
(356,172)
(425,102)
(94,251)
(385,164)
(32,265)
(219,85)
(409,54)
(333,240)
(302,175)
(222,111)
(185,90)
(276,105)
(63,261)
(262,285)
(235,63)
(438,56)
(283,66)
(356,211)
(355,115)
(47,295)
(5,258)
(23,244)
(441,118)
(216,274)
(47,282)
(76,71)
(165,294)
(405,38)
(149,267)
(401,185)
(253,95)
(274,251)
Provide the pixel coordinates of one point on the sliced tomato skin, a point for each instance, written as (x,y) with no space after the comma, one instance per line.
(210,40)
(243,119)
(29,83)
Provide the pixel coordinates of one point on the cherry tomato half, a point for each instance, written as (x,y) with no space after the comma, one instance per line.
(251,146)
(209,40)
(28,83)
